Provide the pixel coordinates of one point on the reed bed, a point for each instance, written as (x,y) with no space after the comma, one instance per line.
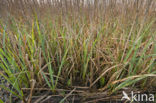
(77,45)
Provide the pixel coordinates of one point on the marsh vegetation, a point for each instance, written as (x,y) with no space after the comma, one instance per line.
(76,49)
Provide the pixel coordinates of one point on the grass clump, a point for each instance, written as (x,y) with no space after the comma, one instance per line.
(104,46)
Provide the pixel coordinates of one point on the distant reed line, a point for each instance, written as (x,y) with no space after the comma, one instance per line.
(23,7)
